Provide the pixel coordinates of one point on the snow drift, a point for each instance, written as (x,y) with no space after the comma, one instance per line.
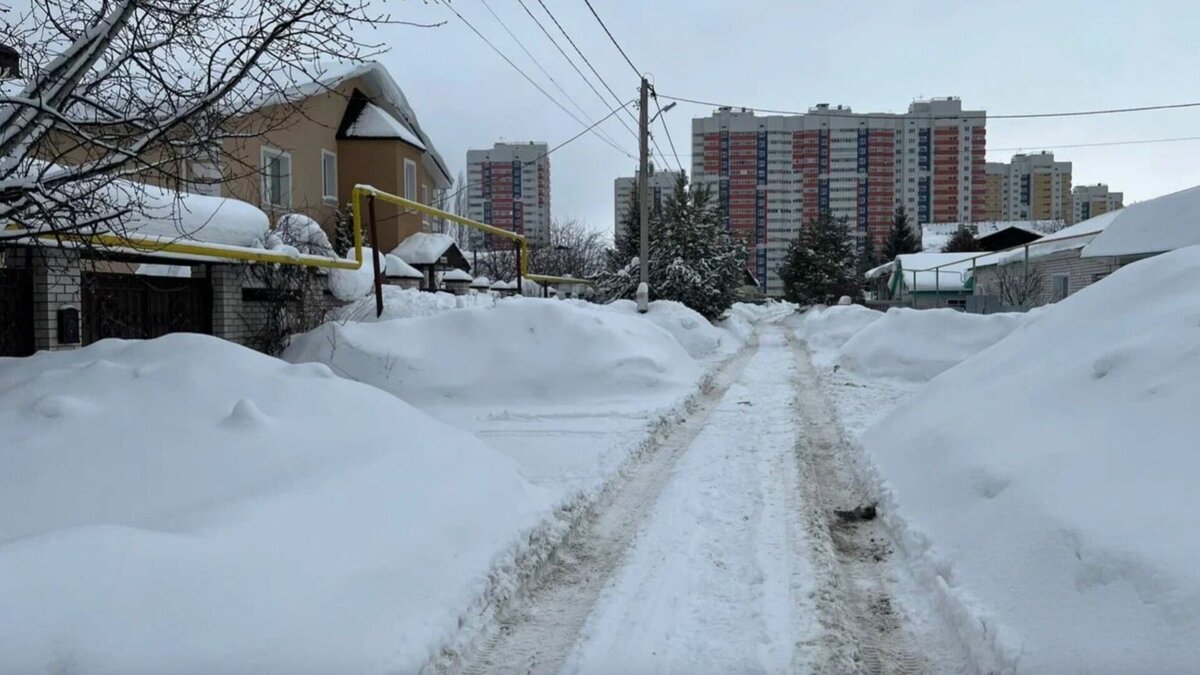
(522,351)
(826,329)
(405,303)
(187,505)
(693,332)
(917,344)
(1052,478)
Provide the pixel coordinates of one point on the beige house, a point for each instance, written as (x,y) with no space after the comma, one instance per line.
(350,125)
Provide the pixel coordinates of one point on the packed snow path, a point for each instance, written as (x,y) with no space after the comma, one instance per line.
(721,552)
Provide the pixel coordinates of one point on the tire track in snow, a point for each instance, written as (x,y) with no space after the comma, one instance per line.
(866,631)
(539,628)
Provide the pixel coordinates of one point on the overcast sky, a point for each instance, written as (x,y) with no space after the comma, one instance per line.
(1002,57)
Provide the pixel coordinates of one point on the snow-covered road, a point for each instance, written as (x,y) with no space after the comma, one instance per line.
(720,552)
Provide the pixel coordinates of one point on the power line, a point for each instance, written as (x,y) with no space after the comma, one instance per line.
(1097,145)
(571,61)
(543,69)
(636,71)
(531,80)
(830,113)
(668,130)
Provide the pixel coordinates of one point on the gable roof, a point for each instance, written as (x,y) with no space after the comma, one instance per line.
(398,268)
(1154,226)
(429,248)
(375,122)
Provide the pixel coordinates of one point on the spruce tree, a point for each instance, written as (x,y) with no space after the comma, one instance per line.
(820,264)
(963,241)
(901,238)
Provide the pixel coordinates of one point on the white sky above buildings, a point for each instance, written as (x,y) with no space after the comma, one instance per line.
(1003,57)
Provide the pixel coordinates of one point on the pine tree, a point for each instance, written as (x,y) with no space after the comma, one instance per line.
(901,238)
(963,241)
(693,259)
(820,264)
(868,258)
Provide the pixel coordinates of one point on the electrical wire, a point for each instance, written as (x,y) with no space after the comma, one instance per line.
(636,72)
(668,130)
(831,113)
(532,81)
(1096,145)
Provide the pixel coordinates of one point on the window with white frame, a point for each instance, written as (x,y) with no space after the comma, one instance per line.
(410,179)
(329,184)
(277,177)
(1061,283)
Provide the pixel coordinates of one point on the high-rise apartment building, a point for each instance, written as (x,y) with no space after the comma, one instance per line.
(1093,200)
(1030,187)
(772,174)
(659,186)
(509,188)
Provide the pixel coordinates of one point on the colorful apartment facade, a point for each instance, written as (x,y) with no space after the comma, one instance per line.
(509,188)
(772,174)
(1090,201)
(1030,187)
(659,185)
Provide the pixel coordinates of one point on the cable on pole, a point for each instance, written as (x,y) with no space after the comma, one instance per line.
(610,37)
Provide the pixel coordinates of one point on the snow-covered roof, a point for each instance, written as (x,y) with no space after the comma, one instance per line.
(914,270)
(481,282)
(455,275)
(424,248)
(1153,226)
(1070,238)
(375,122)
(501,285)
(385,91)
(935,236)
(398,268)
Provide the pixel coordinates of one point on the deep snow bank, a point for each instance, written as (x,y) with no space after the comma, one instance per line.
(523,350)
(1055,477)
(918,344)
(693,332)
(405,303)
(187,505)
(826,329)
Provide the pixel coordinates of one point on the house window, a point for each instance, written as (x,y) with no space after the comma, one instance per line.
(425,201)
(329,192)
(1061,285)
(277,177)
(410,179)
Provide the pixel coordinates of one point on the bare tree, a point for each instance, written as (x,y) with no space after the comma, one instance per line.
(572,250)
(119,93)
(1016,284)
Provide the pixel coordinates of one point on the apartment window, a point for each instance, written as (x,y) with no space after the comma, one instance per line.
(329,177)
(410,179)
(1061,284)
(277,177)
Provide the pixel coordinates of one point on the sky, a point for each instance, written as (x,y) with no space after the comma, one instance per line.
(1002,57)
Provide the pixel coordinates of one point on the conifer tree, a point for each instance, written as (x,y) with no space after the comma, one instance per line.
(901,238)
(820,264)
(963,241)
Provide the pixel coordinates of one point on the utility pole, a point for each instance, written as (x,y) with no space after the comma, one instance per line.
(643,291)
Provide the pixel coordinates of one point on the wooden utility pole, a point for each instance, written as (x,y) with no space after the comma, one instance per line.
(643,197)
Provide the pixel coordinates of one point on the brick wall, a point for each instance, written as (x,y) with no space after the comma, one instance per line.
(56,274)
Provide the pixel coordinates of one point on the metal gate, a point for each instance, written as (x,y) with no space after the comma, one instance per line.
(131,306)
(16,312)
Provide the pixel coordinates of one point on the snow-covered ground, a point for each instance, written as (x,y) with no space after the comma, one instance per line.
(187,505)
(1043,488)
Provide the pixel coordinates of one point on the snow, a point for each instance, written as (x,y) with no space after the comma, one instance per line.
(918,344)
(156,270)
(1153,226)
(216,220)
(303,233)
(1070,238)
(456,275)
(1047,485)
(698,337)
(351,285)
(536,351)
(375,122)
(187,505)
(405,303)
(424,248)
(395,267)
(825,330)
(481,283)
(935,236)
(952,273)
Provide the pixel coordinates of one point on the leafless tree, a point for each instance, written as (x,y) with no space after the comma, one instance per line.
(572,250)
(1016,284)
(119,93)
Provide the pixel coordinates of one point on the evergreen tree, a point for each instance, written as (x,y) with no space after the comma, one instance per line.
(693,259)
(901,238)
(963,241)
(820,264)
(868,257)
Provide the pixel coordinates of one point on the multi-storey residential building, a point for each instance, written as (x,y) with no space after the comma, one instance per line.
(775,173)
(1093,200)
(659,186)
(509,188)
(1030,187)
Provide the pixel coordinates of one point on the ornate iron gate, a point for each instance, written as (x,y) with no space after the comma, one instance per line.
(131,306)
(16,312)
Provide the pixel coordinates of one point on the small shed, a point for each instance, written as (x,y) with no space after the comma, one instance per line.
(924,280)
(1007,237)
(481,284)
(431,252)
(399,273)
(456,281)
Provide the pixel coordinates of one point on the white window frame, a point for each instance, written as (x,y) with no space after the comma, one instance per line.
(1065,280)
(328,197)
(410,180)
(266,154)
